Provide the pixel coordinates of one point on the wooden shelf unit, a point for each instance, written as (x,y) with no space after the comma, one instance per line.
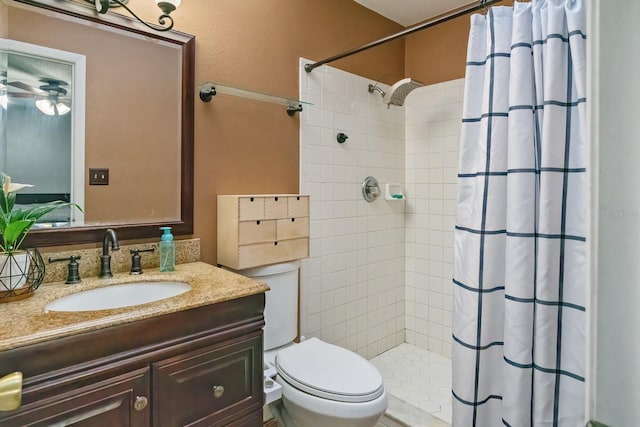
(262,229)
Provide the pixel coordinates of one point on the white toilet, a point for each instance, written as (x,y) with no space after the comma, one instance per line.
(322,384)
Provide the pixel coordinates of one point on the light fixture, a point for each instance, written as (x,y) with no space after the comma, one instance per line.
(46,106)
(167,6)
(49,104)
(50,107)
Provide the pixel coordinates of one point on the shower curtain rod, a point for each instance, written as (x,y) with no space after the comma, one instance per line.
(481,5)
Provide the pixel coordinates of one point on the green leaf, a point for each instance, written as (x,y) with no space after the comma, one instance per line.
(39,211)
(14,230)
(15,224)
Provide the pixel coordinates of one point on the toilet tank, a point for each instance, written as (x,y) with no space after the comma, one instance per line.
(281,302)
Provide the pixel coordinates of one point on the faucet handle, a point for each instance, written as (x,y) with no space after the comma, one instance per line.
(136,268)
(73,275)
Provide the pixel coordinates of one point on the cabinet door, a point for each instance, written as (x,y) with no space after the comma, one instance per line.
(210,386)
(114,402)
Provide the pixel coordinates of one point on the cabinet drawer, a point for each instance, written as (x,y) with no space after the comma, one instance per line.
(292,228)
(297,206)
(275,207)
(273,252)
(101,404)
(250,208)
(256,231)
(188,387)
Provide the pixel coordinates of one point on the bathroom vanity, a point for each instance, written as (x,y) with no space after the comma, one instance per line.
(194,359)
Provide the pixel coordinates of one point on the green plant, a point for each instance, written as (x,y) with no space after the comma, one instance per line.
(15,224)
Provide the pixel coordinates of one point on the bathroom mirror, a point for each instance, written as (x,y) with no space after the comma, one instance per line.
(139,117)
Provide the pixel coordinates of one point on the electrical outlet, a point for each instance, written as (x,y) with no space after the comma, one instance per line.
(98,176)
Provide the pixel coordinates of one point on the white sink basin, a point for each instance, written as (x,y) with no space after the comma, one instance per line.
(118,296)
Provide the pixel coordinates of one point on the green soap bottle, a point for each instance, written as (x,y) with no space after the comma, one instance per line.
(167,250)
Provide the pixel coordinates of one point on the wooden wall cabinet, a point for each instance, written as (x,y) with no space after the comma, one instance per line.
(199,367)
(262,229)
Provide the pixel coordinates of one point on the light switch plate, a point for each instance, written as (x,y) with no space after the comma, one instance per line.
(98,176)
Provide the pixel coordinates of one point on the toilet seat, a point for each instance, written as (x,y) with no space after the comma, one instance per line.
(329,372)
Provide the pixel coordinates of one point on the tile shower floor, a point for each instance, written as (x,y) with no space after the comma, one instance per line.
(419,384)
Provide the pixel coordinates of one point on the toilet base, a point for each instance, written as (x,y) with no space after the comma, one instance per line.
(311,411)
(281,416)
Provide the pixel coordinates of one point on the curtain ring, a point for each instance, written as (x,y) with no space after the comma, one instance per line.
(485,9)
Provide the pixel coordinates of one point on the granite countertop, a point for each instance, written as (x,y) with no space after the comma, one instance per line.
(26,322)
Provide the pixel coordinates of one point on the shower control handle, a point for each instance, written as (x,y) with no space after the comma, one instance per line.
(370,189)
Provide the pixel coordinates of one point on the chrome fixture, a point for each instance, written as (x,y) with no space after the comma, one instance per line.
(167,6)
(370,189)
(398,92)
(105,258)
(377,88)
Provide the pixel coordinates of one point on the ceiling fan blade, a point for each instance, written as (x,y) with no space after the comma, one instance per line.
(27,88)
(20,95)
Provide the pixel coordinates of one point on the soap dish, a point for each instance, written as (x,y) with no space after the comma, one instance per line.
(393,192)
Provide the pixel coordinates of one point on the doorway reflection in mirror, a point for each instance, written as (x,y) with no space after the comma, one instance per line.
(42,129)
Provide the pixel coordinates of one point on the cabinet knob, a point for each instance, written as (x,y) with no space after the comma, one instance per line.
(11,391)
(140,403)
(218,391)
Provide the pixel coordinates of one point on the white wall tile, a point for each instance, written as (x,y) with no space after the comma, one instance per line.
(379,273)
(433,127)
(357,250)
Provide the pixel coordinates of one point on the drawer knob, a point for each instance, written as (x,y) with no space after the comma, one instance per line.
(218,391)
(140,403)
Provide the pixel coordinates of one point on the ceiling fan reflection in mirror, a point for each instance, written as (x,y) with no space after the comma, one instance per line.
(51,97)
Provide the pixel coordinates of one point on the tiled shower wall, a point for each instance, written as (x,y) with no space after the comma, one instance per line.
(352,286)
(432,133)
(379,273)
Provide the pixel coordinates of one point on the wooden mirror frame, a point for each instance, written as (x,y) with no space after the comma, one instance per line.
(183,226)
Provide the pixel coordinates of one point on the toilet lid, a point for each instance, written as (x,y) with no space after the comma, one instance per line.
(330,372)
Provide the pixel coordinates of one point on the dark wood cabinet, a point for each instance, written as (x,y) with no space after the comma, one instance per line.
(207,386)
(199,367)
(105,404)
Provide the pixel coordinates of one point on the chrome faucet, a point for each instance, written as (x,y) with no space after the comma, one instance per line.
(105,259)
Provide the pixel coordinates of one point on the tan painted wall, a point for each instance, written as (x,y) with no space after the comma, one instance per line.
(4,26)
(438,54)
(244,146)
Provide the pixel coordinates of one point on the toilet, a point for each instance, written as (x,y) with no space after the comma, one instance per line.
(322,384)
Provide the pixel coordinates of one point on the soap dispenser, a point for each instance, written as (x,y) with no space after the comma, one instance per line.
(167,250)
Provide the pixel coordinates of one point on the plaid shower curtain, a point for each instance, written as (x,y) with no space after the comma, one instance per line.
(520,239)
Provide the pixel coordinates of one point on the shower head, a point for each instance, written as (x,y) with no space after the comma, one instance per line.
(399,91)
